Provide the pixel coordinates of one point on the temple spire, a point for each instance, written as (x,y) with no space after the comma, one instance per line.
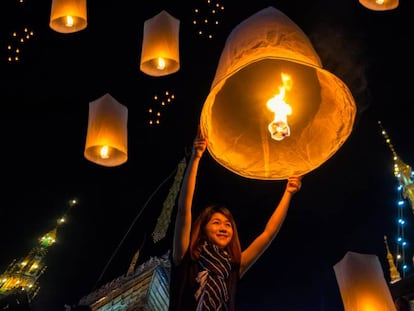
(23,274)
(394,274)
(403,174)
(402,171)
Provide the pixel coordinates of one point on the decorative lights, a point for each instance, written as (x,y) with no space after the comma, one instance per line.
(405,189)
(207,18)
(19,38)
(160,102)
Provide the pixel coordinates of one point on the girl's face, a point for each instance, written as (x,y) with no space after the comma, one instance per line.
(219,230)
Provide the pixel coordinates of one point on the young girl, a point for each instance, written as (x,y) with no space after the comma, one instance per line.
(207,260)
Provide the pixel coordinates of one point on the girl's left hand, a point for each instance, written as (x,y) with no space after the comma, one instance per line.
(294,184)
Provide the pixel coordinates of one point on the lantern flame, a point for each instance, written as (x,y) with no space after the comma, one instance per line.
(104,152)
(69,21)
(279,127)
(161,63)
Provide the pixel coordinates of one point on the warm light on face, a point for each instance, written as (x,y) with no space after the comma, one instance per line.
(160,63)
(104,152)
(279,127)
(69,21)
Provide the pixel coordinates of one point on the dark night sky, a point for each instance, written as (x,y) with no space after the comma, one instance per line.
(347,204)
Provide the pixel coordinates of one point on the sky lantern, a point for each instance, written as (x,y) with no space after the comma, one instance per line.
(380,5)
(273,111)
(160,53)
(107,136)
(362,283)
(68,16)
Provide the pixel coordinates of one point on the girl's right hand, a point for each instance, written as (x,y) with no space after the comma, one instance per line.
(199,144)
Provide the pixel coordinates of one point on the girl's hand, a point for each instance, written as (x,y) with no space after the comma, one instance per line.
(199,144)
(294,184)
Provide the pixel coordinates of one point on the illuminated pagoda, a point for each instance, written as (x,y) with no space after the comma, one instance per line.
(401,284)
(19,283)
(402,172)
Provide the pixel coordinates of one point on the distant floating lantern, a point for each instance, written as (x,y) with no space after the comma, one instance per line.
(380,5)
(160,45)
(362,284)
(68,16)
(107,139)
(273,111)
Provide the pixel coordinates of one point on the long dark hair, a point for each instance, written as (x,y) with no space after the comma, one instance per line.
(198,234)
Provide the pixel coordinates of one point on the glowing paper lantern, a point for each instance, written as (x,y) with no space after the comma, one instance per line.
(106,140)
(68,16)
(160,45)
(269,63)
(362,284)
(379,5)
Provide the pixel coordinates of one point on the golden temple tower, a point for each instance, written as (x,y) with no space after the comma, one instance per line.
(402,171)
(394,274)
(22,276)
(403,174)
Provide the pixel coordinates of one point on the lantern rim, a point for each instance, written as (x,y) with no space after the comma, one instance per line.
(373,5)
(58,24)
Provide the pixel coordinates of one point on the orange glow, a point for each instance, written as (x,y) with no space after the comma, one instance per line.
(380,5)
(104,152)
(161,63)
(69,21)
(68,16)
(368,302)
(362,283)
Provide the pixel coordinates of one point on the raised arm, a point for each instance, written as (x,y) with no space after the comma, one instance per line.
(185,200)
(262,242)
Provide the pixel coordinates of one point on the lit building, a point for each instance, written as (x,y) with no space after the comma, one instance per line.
(19,283)
(401,282)
(145,288)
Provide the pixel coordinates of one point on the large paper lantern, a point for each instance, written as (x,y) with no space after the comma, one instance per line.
(362,284)
(160,54)
(68,16)
(268,64)
(379,5)
(107,137)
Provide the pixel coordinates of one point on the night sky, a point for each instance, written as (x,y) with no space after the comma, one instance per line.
(347,204)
